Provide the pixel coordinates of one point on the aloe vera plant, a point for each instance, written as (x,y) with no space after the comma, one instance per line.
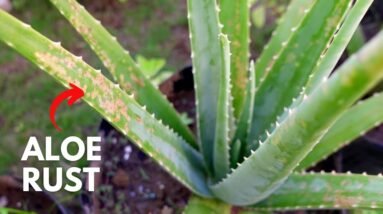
(260,125)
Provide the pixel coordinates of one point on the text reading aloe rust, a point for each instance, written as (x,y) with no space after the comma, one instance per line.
(31,175)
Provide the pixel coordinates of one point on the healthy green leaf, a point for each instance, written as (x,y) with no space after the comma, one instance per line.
(330,58)
(4,210)
(234,16)
(121,65)
(293,66)
(120,109)
(366,211)
(326,65)
(293,17)
(222,139)
(357,41)
(245,120)
(327,191)
(353,123)
(293,139)
(253,211)
(204,30)
(206,206)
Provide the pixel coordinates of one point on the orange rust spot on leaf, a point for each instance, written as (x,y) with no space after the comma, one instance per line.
(136,80)
(346,201)
(139,119)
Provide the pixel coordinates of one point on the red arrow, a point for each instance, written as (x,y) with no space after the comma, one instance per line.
(73,94)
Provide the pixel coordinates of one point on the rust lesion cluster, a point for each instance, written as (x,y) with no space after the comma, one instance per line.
(137,81)
(54,64)
(341,200)
(71,70)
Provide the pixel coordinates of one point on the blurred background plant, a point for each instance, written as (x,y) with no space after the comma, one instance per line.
(5,5)
(264,14)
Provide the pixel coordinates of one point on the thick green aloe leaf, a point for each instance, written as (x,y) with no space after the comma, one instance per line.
(239,146)
(340,41)
(122,67)
(357,41)
(222,138)
(353,123)
(290,70)
(254,211)
(270,165)
(327,191)
(206,206)
(366,211)
(4,210)
(206,48)
(120,109)
(235,18)
(292,18)
(330,58)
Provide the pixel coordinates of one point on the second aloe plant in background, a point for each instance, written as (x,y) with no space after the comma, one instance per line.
(260,125)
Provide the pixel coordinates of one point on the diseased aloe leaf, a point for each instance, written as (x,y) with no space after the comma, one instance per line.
(327,191)
(204,30)
(290,70)
(245,120)
(234,16)
(270,165)
(120,109)
(339,43)
(291,19)
(222,139)
(121,65)
(206,206)
(353,123)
